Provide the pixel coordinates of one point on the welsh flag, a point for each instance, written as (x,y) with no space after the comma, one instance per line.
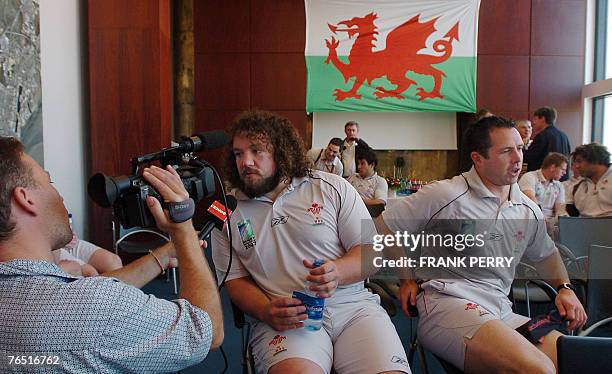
(391,55)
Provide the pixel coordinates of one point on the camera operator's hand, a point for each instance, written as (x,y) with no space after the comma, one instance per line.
(168,183)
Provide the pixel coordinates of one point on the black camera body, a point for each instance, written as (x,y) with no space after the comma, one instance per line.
(127,195)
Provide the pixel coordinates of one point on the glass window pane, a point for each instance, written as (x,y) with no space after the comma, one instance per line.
(608,66)
(607,122)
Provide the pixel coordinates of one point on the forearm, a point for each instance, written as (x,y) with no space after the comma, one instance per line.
(247,296)
(356,265)
(197,282)
(145,269)
(374,201)
(393,252)
(552,270)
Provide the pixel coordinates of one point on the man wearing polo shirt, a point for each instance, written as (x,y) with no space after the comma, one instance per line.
(287,216)
(465,316)
(543,186)
(592,195)
(327,159)
(372,188)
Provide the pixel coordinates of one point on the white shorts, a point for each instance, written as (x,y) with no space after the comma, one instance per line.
(445,320)
(356,337)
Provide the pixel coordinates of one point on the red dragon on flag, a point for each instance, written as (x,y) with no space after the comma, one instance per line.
(400,56)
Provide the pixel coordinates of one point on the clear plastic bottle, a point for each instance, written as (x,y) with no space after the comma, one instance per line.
(314,305)
(70,221)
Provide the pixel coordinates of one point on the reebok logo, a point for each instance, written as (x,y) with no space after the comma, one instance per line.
(279,220)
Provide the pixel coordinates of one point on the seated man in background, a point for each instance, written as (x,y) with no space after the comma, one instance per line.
(288,216)
(543,187)
(465,315)
(372,188)
(592,195)
(96,323)
(91,259)
(328,159)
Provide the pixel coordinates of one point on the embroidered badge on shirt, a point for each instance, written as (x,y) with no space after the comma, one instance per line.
(519,236)
(476,307)
(315,211)
(276,344)
(246,233)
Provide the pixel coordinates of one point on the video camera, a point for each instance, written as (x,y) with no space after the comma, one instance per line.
(127,194)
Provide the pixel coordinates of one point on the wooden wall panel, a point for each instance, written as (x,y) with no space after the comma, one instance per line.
(511,91)
(278,26)
(558,27)
(279,81)
(222,81)
(221,26)
(504,27)
(556,81)
(569,123)
(129,84)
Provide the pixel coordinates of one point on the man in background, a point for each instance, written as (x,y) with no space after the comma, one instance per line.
(372,188)
(543,186)
(327,159)
(592,195)
(353,145)
(548,138)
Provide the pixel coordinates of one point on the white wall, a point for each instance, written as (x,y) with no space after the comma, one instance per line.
(63,104)
(400,130)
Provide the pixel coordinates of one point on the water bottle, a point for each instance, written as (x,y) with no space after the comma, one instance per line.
(73,242)
(314,305)
(70,221)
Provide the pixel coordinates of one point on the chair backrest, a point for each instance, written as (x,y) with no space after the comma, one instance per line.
(577,354)
(137,239)
(579,233)
(599,290)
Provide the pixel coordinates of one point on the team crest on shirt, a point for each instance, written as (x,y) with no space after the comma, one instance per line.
(315,212)
(246,233)
(277,344)
(476,307)
(519,236)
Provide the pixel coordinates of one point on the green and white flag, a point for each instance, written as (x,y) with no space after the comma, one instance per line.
(391,55)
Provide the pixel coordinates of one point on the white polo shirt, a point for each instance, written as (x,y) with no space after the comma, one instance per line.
(317,216)
(516,227)
(548,193)
(321,163)
(594,200)
(372,187)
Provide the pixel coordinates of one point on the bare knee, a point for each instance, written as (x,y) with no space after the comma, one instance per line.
(540,365)
(295,365)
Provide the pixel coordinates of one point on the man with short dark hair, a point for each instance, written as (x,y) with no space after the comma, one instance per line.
(327,159)
(592,194)
(372,187)
(543,186)
(96,323)
(353,145)
(548,139)
(288,216)
(465,316)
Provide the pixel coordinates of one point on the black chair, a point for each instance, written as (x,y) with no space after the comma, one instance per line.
(576,354)
(599,289)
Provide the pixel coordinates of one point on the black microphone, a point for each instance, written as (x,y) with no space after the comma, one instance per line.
(216,216)
(203,141)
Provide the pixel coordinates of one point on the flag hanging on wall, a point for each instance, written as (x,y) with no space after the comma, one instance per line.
(391,55)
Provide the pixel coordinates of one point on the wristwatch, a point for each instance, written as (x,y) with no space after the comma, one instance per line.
(567,286)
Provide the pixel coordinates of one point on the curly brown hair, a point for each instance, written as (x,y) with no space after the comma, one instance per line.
(278,135)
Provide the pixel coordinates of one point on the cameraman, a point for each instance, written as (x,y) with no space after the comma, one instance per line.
(97,323)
